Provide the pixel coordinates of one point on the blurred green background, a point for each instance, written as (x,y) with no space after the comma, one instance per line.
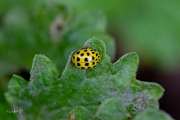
(57,27)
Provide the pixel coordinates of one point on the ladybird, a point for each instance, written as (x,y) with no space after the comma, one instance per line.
(86,58)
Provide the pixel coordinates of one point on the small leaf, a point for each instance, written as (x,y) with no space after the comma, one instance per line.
(16,84)
(153,115)
(153,90)
(43,72)
(80,113)
(111,109)
(126,67)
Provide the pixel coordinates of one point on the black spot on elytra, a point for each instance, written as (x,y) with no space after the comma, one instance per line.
(82,54)
(77,52)
(88,67)
(73,57)
(78,59)
(92,52)
(88,54)
(92,57)
(86,59)
(96,54)
(82,67)
(85,50)
(93,63)
(78,64)
(86,64)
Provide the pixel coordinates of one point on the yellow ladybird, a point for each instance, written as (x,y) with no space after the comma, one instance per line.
(86,58)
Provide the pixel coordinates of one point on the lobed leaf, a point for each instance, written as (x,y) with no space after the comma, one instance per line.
(111,109)
(80,113)
(43,72)
(16,84)
(153,115)
(79,92)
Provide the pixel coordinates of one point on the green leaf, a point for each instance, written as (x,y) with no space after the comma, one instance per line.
(126,67)
(43,72)
(111,109)
(153,115)
(56,97)
(153,90)
(15,85)
(107,80)
(80,113)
